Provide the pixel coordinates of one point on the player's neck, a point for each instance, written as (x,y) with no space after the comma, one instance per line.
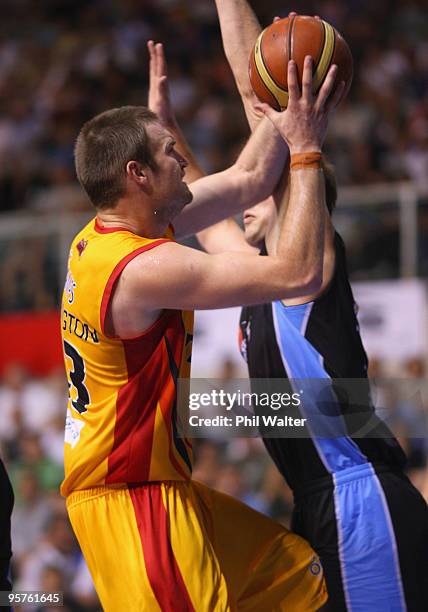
(139,219)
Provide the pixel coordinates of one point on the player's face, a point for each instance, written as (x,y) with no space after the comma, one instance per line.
(170,192)
(257,221)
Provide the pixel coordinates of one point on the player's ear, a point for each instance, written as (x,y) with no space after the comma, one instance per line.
(137,173)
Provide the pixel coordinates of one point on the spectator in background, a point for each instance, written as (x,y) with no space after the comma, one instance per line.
(61,187)
(29,404)
(56,564)
(412,415)
(53,581)
(57,548)
(82,588)
(22,278)
(31,514)
(11,390)
(31,456)
(80,599)
(208,463)
(52,394)
(230,481)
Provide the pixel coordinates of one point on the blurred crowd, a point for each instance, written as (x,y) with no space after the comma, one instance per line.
(46,554)
(63,61)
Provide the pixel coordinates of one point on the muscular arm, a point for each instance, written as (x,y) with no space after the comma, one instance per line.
(239,31)
(176,277)
(251,179)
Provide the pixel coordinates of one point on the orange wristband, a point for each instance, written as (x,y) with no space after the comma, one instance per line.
(310,160)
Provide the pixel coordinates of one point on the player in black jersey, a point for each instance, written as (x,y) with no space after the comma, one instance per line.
(353,502)
(6,504)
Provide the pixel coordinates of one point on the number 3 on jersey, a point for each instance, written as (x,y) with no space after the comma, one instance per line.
(77,376)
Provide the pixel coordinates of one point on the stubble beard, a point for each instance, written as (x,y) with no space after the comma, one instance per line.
(185,199)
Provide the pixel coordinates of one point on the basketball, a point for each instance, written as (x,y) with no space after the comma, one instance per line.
(293,38)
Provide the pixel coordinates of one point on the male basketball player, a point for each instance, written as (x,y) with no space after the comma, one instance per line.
(6,505)
(353,502)
(152,538)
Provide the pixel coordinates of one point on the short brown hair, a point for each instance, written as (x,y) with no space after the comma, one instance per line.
(105,145)
(330,184)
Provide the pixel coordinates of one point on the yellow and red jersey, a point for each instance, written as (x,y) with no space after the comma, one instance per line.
(121,424)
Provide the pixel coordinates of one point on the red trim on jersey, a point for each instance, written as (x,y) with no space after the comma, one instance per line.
(130,457)
(176,336)
(166,409)
(162,568)
(101,229)
(150,382)
(116,273)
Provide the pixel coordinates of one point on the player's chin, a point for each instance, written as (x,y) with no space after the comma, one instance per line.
(187,195)
(182,200)
(252,236)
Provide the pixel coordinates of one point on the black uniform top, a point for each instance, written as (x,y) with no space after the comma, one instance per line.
(318,340)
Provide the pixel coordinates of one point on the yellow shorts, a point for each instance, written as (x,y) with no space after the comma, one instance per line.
(181,547)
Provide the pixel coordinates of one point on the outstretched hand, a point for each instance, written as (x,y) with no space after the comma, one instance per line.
(159,99)
(303,124)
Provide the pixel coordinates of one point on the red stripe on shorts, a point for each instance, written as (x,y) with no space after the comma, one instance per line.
(162,569)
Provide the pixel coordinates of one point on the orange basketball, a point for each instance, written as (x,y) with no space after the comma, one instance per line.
(294,38)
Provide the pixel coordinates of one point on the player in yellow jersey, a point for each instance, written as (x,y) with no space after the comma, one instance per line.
(154,539)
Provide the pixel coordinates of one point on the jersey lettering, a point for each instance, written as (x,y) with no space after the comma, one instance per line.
(77,376)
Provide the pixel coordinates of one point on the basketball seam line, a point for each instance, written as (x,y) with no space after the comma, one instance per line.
(280,94)
(326,57)
(315,84)
(320,50)
(267,69)
(290,39)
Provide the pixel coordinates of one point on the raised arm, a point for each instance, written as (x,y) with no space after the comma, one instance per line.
(239,31)
(173,276)
(159,102)
(254,176)
(227,232)
(251,179)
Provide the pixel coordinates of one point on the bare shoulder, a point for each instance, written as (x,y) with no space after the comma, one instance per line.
(151,282)
(156,265)
(129,314)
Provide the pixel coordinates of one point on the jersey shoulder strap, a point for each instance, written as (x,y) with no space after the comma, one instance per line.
(97,257)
